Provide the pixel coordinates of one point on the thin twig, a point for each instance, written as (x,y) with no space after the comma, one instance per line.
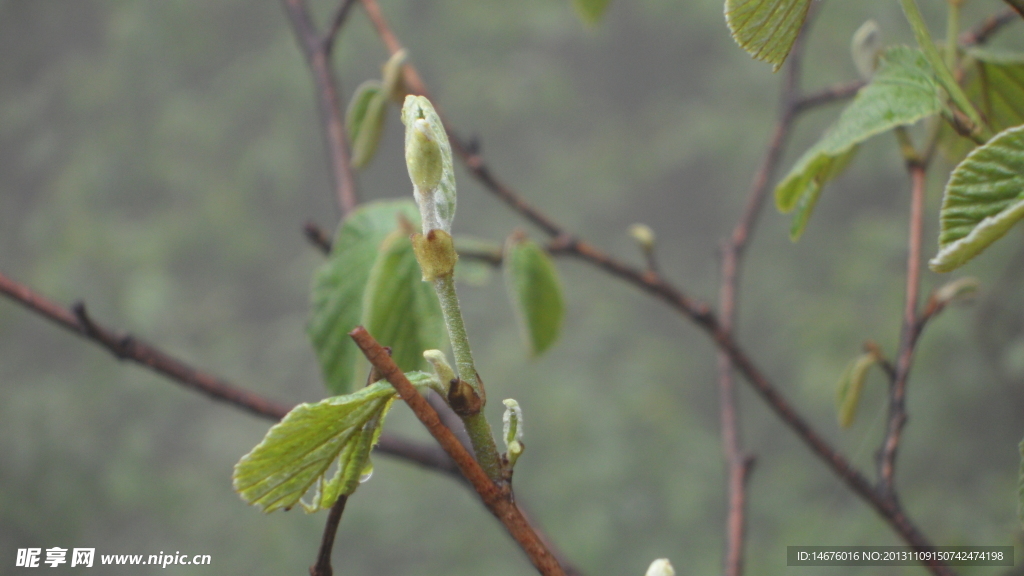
(317,51)
(908,338)
(337,21)
(497,498)
(126,347)
(827,95)
(323,557)
(739,464)
(317,236)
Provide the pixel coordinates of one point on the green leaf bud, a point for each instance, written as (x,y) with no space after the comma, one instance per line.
(512,422)
(442,368)
(643,235)
(661,567)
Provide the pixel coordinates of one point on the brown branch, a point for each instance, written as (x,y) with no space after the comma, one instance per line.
(827,95)
(323,557)
(317,51)
(317,237)
(497,498)
(983,31)
(126,347)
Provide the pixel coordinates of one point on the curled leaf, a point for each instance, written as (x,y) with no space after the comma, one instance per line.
(959,290)
(391,76)
(850,386)
(365,121)
(866,47)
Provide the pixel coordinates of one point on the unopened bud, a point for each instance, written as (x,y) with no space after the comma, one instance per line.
(643,235)
(661,567)
(423,156)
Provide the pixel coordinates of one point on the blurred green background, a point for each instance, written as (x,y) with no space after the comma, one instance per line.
(158,159)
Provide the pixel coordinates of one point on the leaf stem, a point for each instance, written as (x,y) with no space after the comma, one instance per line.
(945,77)
(477,427)
(952,33)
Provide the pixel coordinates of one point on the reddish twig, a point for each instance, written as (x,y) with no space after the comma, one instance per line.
(497,498)
(908,337)
(317,51)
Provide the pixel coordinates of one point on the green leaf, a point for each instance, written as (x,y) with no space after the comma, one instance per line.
(365,121)
(984,198)
(533,286)
(851,383)
(297,452)
(766,29)
(399,308)
(902,91)
(339,285)
(590,11)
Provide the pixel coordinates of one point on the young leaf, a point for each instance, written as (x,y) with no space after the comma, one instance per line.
(590,11)
(851,383)
(533,286)
(391,76)
(984,198)
(766,29)
(297,451)
(339,285)
(399,309)
(365,121)
(902,91)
